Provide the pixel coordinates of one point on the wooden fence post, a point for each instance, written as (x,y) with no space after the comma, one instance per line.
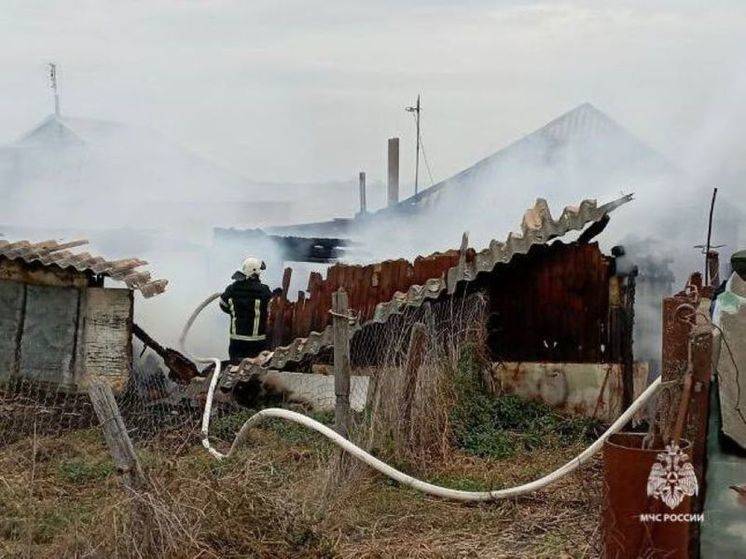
(115,434)
(278,308)
(341,362)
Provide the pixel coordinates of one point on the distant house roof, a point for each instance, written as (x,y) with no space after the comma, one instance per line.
(87,158)
(52,253)
(79,166)
(584,125)
(585,132)
(58,129)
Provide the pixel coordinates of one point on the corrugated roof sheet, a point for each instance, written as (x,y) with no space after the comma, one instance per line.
(52,253)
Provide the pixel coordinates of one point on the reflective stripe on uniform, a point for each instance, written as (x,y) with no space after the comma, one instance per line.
(233,317)
(249,338)
(257,312)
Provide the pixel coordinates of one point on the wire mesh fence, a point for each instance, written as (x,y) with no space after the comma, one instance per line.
(149,401)
(402,387)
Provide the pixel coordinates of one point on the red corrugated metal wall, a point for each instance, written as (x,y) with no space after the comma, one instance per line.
(550,305)
(366,286)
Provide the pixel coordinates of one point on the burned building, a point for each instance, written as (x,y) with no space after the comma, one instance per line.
(322,250)
(558,314)
(59,322)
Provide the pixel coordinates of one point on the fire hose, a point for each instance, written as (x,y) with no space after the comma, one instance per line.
(213,381)
(382,467)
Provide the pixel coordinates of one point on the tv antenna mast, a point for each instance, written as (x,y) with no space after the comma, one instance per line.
(416,109)
(53,85)
(707,248)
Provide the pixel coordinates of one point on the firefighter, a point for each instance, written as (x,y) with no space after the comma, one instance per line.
(246,300)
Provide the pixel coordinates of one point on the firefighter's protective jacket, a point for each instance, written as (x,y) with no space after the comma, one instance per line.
(247,301)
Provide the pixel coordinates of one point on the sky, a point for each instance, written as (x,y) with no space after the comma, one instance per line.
(305,91)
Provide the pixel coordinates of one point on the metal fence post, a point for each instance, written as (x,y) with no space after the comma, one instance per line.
(341,362)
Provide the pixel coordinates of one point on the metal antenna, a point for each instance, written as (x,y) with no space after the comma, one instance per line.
(416,110)
(53,85)
(709,237)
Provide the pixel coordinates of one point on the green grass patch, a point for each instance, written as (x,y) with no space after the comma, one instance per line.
(292,432)
(80,471)
(53,522)
(502,426)
(228,426)
(461,482)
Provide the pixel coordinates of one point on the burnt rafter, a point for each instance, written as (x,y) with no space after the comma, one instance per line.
(180,368)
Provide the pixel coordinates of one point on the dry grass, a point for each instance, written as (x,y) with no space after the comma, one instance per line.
(388,521)
(61,498)
(424,433)
(291,494)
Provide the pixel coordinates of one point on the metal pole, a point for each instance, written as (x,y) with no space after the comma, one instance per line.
(393,172)
(416,110)
(709,237)
(363,200)
(53,84)
(417,155)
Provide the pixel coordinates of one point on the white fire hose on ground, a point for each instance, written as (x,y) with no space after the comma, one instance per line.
(382,467)
(213,381)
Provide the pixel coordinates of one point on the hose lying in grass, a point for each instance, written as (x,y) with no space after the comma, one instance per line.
(382,467)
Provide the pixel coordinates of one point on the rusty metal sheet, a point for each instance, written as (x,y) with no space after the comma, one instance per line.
(551,305)
(626,535)
(52,253)
(366,287)
(538,227)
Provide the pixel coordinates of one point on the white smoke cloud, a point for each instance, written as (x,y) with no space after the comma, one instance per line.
(287,98)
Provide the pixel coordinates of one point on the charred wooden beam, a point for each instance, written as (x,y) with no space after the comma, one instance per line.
(322,250)
(180,368)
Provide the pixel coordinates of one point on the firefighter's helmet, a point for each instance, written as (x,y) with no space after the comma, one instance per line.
(252,266)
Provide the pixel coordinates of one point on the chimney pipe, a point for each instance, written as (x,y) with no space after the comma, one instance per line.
(393,184)
(363,201)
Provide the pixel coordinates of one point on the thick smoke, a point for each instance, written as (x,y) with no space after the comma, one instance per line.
(133,193)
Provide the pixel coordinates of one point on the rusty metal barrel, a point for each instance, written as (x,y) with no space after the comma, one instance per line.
(634,524)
